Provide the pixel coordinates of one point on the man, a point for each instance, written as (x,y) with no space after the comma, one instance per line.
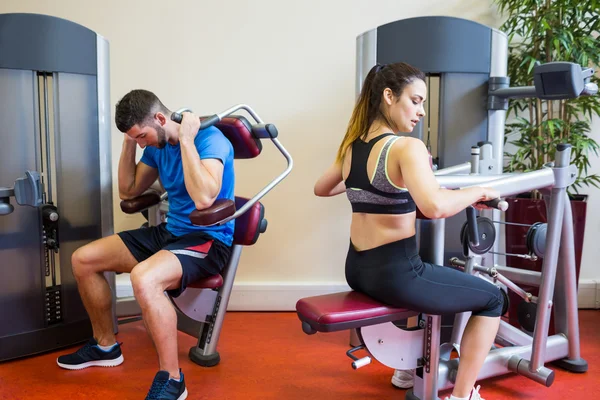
(196,168)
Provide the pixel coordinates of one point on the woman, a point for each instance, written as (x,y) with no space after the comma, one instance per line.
(386,177)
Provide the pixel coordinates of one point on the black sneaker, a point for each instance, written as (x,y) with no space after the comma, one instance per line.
(164,388)
(91,355)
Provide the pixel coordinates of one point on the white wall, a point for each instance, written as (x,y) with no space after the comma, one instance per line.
(294,62)
(589,278)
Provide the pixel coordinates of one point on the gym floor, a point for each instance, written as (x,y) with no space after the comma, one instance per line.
(267,356)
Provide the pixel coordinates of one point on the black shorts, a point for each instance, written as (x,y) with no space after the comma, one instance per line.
(395,274)
(199,253)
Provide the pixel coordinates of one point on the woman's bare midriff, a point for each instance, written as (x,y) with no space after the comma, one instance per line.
(368,231)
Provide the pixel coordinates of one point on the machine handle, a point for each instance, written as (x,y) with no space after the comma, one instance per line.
(358,362)
(498,203)
(361,362)
(473,231)
(204,123)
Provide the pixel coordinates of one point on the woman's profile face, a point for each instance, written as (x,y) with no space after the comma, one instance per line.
(407,110)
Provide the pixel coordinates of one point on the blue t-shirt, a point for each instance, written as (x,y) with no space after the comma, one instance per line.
(211,143)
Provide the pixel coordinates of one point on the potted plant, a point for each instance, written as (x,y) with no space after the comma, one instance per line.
(541,31)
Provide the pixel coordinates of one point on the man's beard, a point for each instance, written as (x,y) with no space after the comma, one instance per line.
(161,136)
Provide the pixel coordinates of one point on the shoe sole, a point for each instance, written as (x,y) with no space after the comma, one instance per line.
(401,384)
(183,395)
(100,363)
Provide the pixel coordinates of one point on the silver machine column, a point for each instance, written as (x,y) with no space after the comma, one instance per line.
(55,176)
(463,55)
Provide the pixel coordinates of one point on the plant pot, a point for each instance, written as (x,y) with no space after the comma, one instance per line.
(524,210)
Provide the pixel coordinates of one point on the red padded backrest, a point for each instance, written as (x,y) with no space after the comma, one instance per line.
(238,130)
(247,226)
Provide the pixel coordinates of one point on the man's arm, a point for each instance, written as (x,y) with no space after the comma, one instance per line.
(203,178)
(133,179)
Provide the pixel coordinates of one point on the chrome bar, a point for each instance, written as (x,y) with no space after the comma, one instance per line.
(438,237)
(520,276)
(509,284)
(460,181)
(549,266)
(225,293)
(455,169)
(432,343)
(514,336)
(48,171)
(104,126)
(515,92)
(496,362)
(569,284)
(520,183)
(366,56)
(497,118)
(475,153)
(267,188)
(246,107)
(434,322)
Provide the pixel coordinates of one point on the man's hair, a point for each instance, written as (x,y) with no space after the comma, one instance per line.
(137,107)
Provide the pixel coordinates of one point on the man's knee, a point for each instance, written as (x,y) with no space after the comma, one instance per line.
(82,261)
(142,282)
(107,254)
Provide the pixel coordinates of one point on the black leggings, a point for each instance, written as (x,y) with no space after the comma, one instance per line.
(395,274)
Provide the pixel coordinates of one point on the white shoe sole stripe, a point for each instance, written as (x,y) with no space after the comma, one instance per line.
(100,363)
(183,395)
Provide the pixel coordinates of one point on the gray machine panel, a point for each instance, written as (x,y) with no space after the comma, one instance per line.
(21,295)
(443,44)
(43,43)
(78,171)
(462,124)
(463,116)
(69,63)
(366,56)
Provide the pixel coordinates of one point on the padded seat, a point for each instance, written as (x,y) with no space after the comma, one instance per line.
(212,282)
(346,310)
(248,227)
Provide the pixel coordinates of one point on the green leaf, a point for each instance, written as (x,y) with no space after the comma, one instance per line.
(545,24)
(531,65)
(556,45)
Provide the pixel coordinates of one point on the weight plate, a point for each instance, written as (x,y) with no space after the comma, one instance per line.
(526,314)
(539,240)
(487,236)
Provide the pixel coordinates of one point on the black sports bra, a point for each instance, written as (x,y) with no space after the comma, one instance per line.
(377,195)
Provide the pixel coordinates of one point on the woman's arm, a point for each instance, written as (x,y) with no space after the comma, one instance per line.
(331,183)
(433,201)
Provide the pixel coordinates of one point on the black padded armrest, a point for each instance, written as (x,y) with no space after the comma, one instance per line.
(220,210)
(140,203)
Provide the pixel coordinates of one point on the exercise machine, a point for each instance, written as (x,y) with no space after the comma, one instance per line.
(379,327)
(202,306)
(55,176)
